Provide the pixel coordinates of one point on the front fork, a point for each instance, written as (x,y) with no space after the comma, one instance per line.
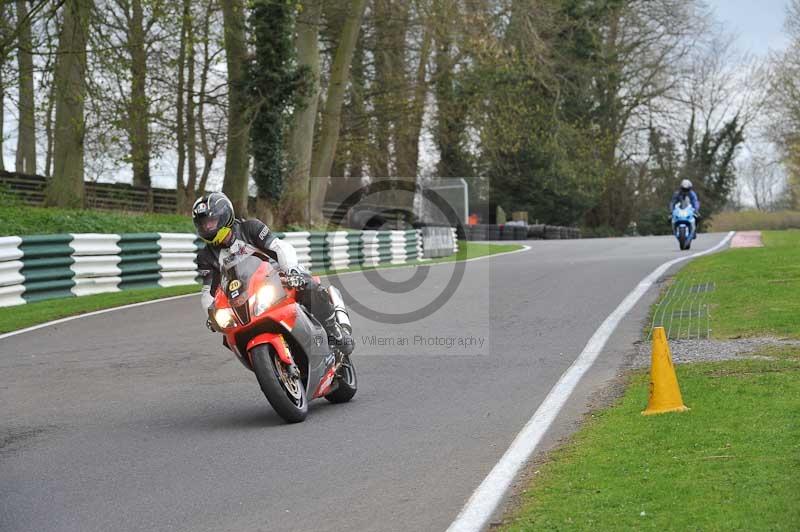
(339,309)
(692,229)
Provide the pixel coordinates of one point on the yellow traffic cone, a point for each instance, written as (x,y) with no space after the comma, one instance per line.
(665,394)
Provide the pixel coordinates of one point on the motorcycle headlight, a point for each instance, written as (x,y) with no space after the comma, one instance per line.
(224,318)
(265,297)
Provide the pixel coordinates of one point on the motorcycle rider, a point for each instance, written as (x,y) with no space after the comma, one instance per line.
(215,223)
(684,193)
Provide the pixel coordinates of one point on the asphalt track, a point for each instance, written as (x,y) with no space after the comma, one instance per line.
(139,420)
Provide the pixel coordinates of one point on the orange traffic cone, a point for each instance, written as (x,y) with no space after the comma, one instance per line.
(665,394)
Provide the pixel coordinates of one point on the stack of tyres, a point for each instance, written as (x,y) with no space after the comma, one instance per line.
(565,233)
(552,232)
(492,232)
(478,232)
(520,232)
(536,232)
(507,232)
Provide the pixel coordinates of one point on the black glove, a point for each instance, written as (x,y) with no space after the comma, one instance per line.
(295,279)
(210,325)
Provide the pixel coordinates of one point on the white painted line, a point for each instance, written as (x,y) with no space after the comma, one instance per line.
(173,298)
(485,500)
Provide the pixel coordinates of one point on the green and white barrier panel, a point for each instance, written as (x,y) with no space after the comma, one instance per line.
(35,268)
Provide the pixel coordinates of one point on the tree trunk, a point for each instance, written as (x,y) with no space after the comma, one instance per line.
(66,187)
(180,132)
(331,115)
(26,139)
(191,134)
(294,204)
(139,110)
(5,30)
(208,154)
(2,94)
(236,156)
(48,128)
(411,122)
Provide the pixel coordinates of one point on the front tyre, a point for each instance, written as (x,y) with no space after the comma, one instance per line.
(682,237)
(285,392)
(347,383)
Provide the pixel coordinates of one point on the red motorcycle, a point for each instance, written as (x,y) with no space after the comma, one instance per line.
(277,338)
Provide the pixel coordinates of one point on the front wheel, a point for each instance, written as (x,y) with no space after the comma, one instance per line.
(682,237)
(347,383)
(284,391)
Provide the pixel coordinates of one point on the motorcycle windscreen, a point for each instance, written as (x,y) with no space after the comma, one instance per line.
(239,265)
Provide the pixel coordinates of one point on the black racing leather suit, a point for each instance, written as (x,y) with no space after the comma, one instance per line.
(256,233)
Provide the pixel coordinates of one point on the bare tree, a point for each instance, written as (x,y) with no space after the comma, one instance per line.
(66,186)
(294,204)
(331,114)
(236,153)
(26,138)
(762,178)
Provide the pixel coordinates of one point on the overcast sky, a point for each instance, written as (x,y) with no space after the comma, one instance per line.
(757,24)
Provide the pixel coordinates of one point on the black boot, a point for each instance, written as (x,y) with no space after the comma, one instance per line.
(339,338)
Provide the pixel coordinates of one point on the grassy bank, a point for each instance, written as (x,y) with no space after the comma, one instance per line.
(732,462)
(755,220)
(19,317)
(23,220)
(756,290)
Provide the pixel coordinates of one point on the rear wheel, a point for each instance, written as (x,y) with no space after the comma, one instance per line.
(284,391)
(347,383)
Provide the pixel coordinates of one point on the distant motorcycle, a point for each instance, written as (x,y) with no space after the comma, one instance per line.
(276,338)
(684,224)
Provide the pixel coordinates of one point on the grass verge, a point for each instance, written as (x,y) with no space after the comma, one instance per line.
(756,290)
(24,220)
(755,220)
(19,317)
(732,462)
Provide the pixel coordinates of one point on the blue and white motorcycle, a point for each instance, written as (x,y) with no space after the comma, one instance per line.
(684,224)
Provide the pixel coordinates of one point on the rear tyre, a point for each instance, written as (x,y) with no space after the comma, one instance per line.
(285,393)
(347,383)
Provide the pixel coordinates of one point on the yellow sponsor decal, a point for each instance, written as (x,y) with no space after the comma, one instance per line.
(235,285)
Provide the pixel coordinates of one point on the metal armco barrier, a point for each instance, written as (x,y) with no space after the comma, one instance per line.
(35,268)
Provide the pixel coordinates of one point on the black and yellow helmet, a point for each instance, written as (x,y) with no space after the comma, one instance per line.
(213,216)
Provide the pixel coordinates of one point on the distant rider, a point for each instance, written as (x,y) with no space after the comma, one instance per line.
(683,194)
(216,224)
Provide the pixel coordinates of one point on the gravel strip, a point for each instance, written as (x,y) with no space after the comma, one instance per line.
(686,351)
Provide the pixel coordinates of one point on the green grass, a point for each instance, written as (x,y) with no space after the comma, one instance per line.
(19,317)
(731,463)
(756,290)
(23,220)
(758,220)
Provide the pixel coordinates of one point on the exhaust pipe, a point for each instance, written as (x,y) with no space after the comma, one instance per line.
(339,309)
